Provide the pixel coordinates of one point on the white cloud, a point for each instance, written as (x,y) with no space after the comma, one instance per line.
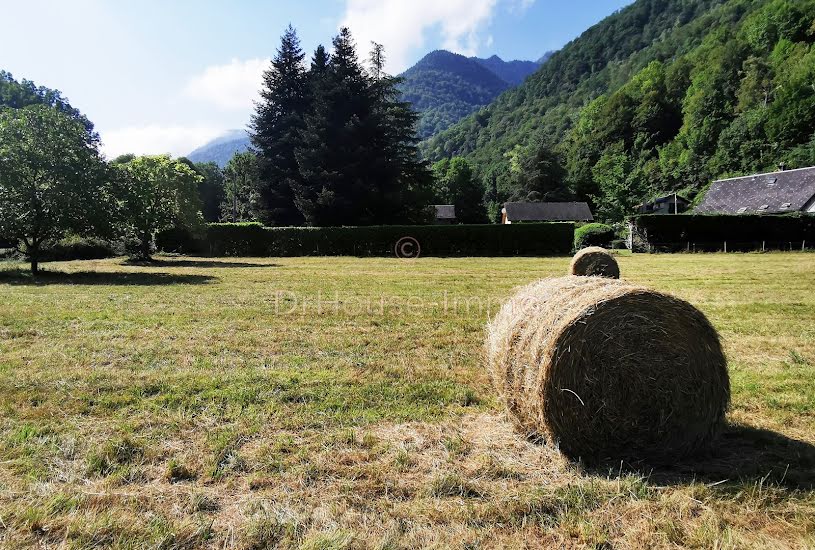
(231,87)
(401,25)
(155,139)
(518,7)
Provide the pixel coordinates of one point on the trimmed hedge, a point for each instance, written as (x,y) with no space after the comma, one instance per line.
(593,234)
(252,239)
(77,248)
(741,232)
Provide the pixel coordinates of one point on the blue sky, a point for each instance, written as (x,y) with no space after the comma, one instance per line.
(167,76)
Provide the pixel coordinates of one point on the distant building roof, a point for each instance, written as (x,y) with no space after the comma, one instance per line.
(547,211)
(445,211)
(664,204)
(670,198)
(771,193)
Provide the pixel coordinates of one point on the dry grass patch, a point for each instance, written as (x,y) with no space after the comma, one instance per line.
(172,407)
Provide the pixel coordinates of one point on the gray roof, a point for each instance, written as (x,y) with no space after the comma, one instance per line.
(774,192)
(445,211)
(670,198)
(548,211)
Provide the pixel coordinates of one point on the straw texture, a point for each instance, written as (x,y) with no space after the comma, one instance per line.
(608,370)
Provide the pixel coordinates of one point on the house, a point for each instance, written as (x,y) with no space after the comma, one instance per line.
(515,212)
(445,214)
(771,193)
(668,204)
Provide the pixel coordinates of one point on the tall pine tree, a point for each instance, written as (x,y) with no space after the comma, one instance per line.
(358,158)
(276,127)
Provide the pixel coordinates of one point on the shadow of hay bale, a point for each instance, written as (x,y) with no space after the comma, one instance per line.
(741,454)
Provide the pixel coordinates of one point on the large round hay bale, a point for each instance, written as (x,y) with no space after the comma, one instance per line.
(594,262)
(608,370)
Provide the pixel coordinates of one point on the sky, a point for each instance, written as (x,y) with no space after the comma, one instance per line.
(167,76)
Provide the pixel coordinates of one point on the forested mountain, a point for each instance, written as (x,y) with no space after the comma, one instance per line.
(663,95)
(512,72)
(221,149)
(445,87)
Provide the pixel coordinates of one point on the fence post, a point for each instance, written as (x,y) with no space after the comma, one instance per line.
(803,245)
(763,246)
(725,247)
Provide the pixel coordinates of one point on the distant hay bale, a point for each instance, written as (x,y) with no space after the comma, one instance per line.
(594,262)
(608,370)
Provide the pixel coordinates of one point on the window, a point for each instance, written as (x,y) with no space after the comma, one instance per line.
(786,205)
(741,210)
(764,207)
(771,181)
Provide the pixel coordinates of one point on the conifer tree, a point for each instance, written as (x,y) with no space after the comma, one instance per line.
(358,158)
(332,154)
(276,129)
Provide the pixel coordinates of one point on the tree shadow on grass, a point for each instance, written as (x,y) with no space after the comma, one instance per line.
(741,454)
(47,278)
(203,264)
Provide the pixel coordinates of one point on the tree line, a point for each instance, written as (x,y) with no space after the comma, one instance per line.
(333,144)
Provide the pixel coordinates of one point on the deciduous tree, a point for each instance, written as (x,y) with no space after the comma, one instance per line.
(241,182)
(52,179)
(157,192)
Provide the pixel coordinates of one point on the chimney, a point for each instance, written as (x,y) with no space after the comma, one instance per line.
(782,166)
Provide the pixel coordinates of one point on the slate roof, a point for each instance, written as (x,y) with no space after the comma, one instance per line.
(772,193)
(445,211)
(669,198)
(548,211)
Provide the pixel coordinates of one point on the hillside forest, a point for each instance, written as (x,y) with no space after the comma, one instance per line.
(662,96)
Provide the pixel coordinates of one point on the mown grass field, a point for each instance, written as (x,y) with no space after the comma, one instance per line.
(342,403)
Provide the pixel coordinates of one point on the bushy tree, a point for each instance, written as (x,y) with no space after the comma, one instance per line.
(16,95)
(241,180)
(456,184)
(211,190)
(156,193)
(538,174)
(52,178)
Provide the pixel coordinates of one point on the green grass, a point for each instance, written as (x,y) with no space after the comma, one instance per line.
(341,402)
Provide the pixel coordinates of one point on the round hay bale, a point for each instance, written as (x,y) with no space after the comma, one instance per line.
(594,262)
(608,370)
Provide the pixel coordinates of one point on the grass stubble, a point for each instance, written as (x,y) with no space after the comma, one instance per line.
(342,403)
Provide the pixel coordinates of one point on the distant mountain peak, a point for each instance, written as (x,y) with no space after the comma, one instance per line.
(444,86)
(221,149)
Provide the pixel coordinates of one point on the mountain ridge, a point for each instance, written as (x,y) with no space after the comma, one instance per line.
(445,87)
(221,149)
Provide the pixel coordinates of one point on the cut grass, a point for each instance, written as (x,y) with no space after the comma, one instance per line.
(341,402)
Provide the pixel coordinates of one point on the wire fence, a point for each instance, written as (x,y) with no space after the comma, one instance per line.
(729,246)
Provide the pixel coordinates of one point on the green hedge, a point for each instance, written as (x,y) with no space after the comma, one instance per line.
(593,234)
(78,248)
(741,232)
(251,239)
